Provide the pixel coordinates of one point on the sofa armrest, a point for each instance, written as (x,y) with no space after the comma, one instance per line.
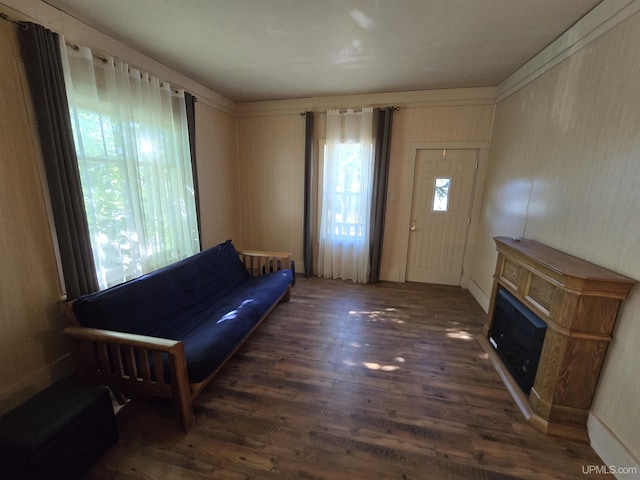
(261,263)
(121,338)
(134,364)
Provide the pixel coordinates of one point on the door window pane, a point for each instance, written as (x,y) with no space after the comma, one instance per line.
(441,194)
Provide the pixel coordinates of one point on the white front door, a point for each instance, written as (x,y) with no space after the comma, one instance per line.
(444,181)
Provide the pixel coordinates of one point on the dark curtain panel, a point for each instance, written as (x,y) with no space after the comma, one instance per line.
(41,55)
(308,195)
(190,101)
(384,120)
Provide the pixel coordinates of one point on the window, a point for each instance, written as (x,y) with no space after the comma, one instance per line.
(132,144)
(347,217)
(345,196)
(441,194)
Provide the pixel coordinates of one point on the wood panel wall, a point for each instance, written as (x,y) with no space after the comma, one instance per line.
(219,189)
(431,124)
(564,170)
(271,171)
(271,149)
(33,352)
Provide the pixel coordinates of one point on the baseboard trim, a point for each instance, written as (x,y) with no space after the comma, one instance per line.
(617,459)
(477,293)
(390,275)
(33,382)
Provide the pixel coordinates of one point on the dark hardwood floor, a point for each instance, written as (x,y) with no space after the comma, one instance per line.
(350,381)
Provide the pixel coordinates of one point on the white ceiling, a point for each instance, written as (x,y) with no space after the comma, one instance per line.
(250,50)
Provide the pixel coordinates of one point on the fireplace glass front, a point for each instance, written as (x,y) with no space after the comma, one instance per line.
(517,335)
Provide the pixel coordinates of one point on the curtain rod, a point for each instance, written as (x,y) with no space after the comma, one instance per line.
(395,109)
(105,60)
(23,25)
(77,48)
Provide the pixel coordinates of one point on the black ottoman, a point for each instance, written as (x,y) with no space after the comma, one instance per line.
(57,434)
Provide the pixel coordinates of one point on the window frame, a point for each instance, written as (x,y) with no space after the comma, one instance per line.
(322,144)
(108,154)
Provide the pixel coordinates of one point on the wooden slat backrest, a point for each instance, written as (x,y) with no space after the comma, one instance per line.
(262,263)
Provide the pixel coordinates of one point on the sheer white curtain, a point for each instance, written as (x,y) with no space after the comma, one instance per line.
(132,143)
(345,204)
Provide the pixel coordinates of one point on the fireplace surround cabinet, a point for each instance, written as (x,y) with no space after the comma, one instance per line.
(579,302)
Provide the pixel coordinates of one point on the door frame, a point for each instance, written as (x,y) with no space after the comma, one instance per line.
(483,157)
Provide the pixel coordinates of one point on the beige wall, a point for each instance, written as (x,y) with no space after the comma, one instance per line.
(271,170)
(271,149)
(216,144)
(32,350)
(439,125)
(564,170)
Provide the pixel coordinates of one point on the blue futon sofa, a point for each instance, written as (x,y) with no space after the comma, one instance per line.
(168,332)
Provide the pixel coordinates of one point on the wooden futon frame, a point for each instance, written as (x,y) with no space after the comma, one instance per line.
(134,365)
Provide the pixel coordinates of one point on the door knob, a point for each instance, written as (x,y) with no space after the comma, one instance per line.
(413,228)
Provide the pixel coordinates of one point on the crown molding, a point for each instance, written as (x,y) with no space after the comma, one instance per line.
(597,22)
(412,99)
(78,32)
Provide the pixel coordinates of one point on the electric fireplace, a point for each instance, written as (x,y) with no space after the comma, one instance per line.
(550,320)
(517,335)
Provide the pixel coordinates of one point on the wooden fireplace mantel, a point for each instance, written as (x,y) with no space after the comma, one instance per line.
(579,302)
